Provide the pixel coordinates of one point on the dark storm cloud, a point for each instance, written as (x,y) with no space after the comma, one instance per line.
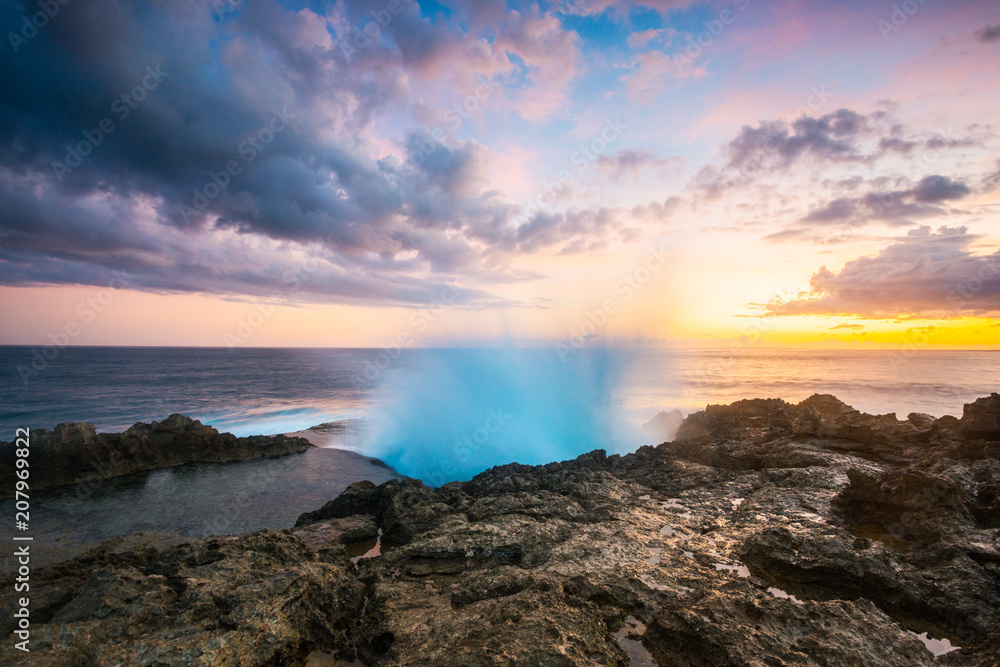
(924,274)
(988,34)
(273,94)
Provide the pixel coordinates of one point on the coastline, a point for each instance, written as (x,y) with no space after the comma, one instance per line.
(114,487)
(763,528)
(74,452)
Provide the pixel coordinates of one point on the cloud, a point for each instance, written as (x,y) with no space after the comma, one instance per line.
(633,162)
(658,211)
(570,232)
(988,34)
(653,69)
(593,7)
(640,39)
(842,138)
(923,275)
(833,137)
(847,326)
(386,218)
(800,180)
(897,207)
(775,146)
(935,189)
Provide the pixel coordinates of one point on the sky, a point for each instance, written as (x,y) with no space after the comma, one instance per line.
(589,172)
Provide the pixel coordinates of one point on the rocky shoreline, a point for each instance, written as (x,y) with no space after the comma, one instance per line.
(74,453)
(765,533)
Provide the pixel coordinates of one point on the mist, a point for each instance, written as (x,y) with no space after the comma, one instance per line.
(451,414)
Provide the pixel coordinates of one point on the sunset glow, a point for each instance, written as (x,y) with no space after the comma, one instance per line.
(682,174)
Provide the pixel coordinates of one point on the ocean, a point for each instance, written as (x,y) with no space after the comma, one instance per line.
(434,414)
(260,391)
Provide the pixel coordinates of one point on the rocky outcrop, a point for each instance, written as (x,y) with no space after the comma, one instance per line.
(75,452)
(765,534)
(981,419)
(664,425)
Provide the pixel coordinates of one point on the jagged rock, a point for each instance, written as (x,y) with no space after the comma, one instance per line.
(920,420)
(346,530)
(664,425)
(398,506)
(766,533)
(248,600)
(827,405)
(734,625)
(75,452)
(981,419)
(358,498)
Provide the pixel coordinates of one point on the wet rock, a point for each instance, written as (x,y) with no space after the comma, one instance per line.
(358,498)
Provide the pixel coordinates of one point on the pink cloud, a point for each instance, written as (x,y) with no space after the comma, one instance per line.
(654,70)
(640,39)
(592,7)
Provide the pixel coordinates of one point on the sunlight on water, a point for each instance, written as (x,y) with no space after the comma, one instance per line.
(455,413)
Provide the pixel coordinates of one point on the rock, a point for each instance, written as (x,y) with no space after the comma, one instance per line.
(765,533)
(828,406)
(75,452)
(981,419)
(920,419)
(664,425)
(358,498)
(347,530)
(247,600)
(734,625)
